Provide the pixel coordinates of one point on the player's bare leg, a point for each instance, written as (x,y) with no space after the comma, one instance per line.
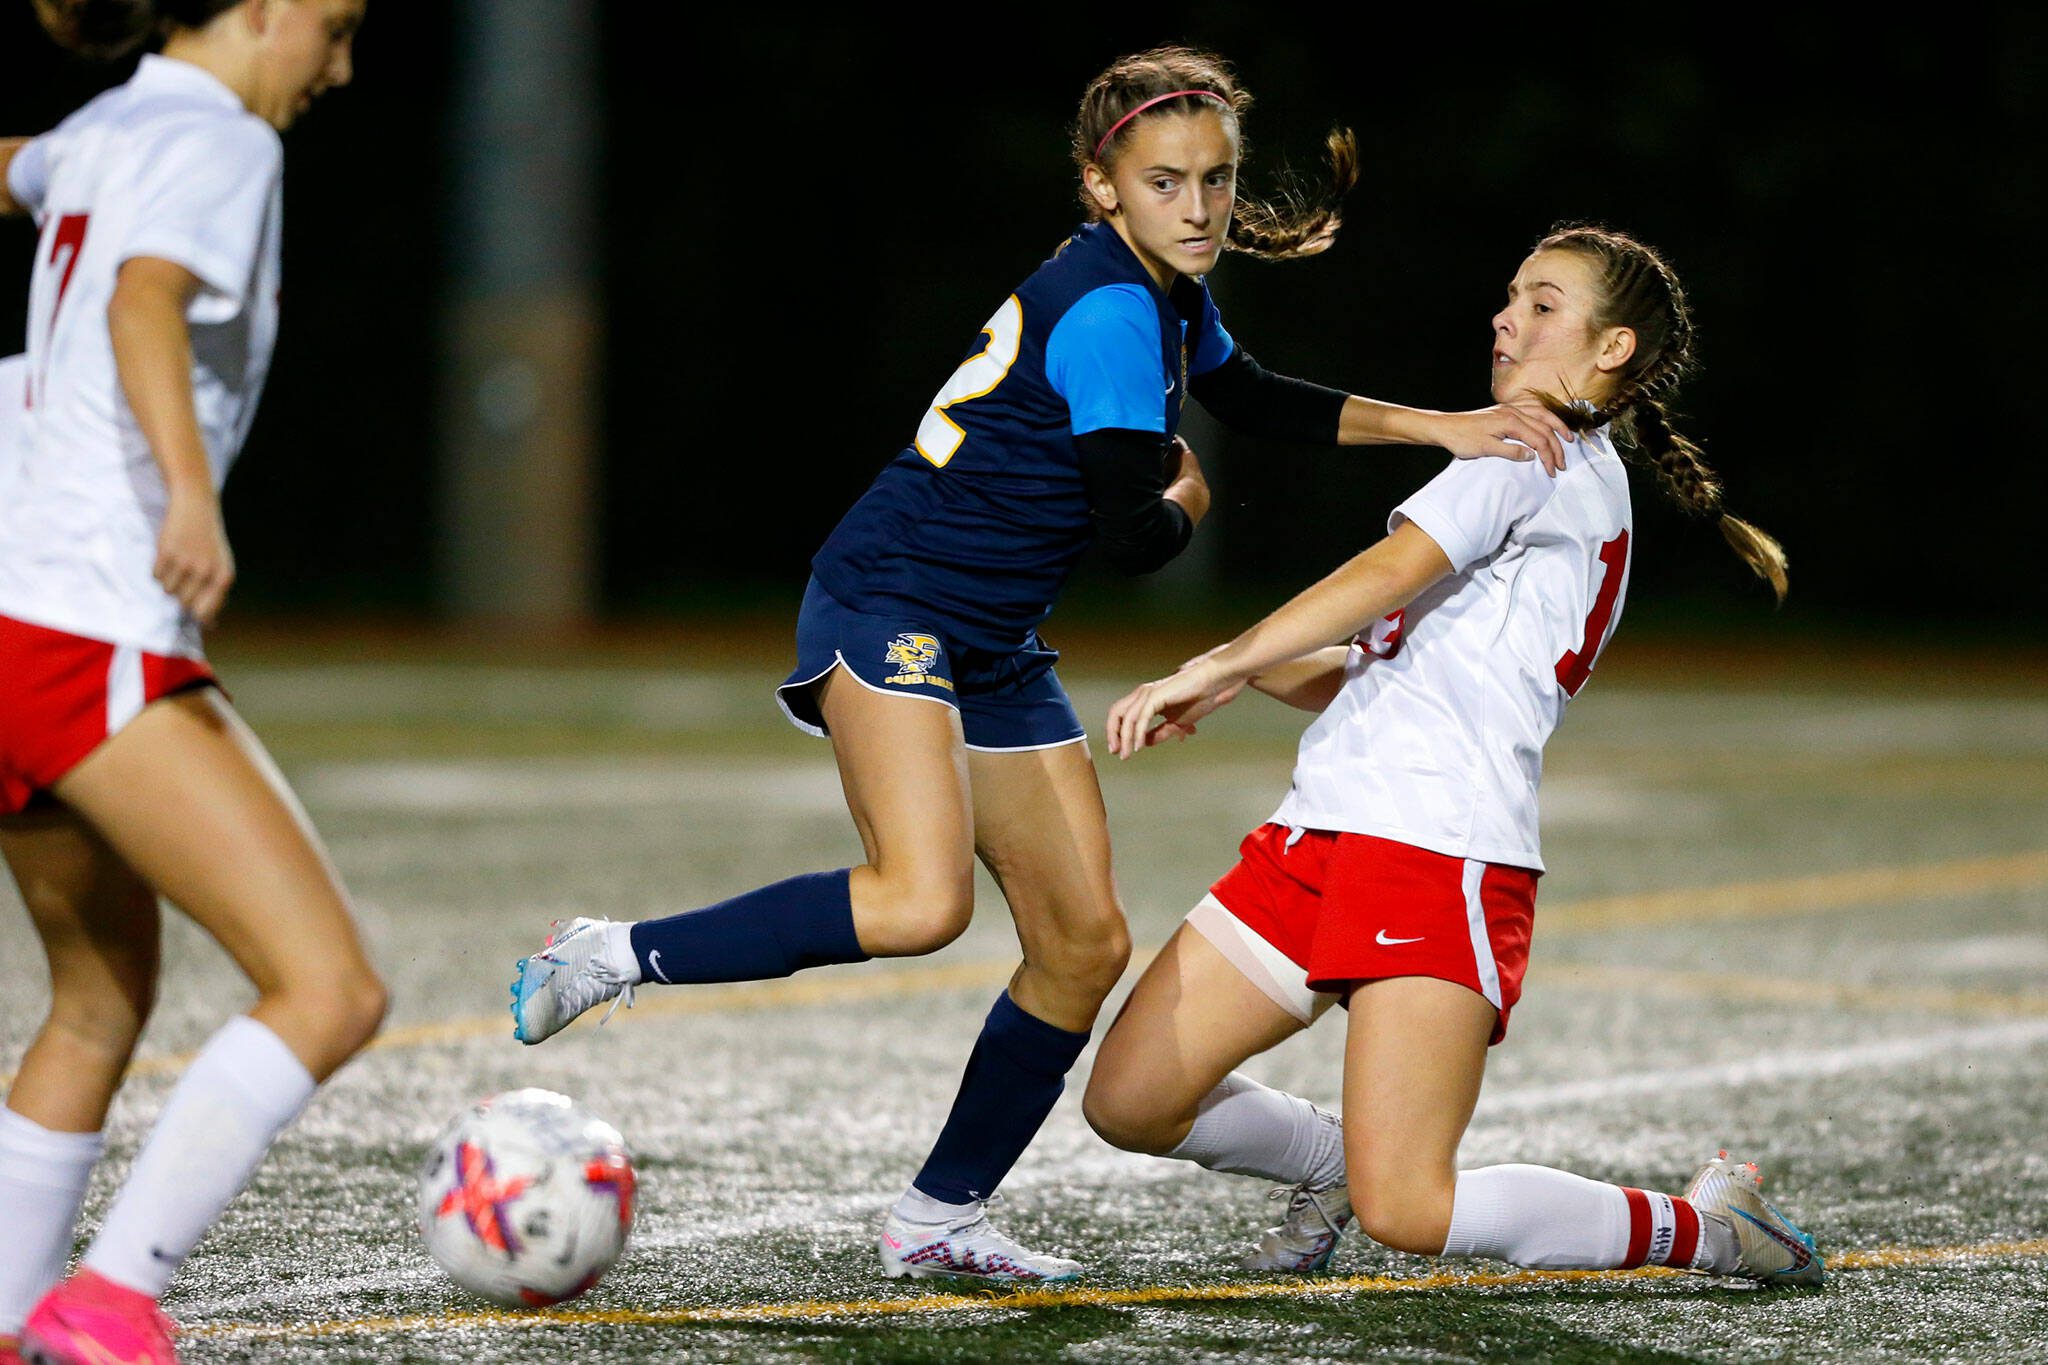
(99,928)
(1414,1056)
(186,798)
(1191,1020)
(1041,830)
(1165,1081)
(904,768)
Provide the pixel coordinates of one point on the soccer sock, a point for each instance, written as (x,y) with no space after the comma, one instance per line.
(232,1102)
(42,1183)
(1017,1070)
(803,922)
(1246,1128)
(1552,1220)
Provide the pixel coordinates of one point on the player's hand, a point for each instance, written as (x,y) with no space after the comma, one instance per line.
(193,561)
(1185,483)
(1178,701)
(1519,429)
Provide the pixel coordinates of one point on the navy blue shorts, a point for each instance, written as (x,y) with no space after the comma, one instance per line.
(1007,701)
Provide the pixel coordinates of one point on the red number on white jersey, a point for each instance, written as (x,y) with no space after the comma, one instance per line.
(68,241)
(1577,664)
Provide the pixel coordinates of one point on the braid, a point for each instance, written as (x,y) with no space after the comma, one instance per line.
(1643,294)
(1302,218)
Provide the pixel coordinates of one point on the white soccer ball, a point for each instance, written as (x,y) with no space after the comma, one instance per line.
(526,1199)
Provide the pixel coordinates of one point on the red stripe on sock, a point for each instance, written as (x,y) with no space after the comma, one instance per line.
(1686,1242)
(1638,1228)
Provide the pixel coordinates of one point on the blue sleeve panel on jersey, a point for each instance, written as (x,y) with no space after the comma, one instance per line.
(1216,345)
(1104,358)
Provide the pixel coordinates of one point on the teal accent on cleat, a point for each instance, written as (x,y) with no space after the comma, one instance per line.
(569,975)
(1772,1248)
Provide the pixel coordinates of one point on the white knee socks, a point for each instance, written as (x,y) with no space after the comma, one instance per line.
(1552,1220)
(42,1183)
(243,1089)
(1246,1128)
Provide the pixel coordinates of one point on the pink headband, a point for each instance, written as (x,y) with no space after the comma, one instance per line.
(1156,99)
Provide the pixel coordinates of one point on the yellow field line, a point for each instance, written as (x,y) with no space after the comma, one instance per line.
(1882,1258)
(1740,900)
(1798,895)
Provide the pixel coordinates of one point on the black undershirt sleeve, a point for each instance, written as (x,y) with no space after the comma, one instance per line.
(1247,397)
(1124,473)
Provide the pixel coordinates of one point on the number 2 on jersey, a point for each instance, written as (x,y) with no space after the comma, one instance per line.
(1577,664)
(939,436)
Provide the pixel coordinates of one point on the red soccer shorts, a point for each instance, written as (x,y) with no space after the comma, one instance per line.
(62,695)
(1352,908)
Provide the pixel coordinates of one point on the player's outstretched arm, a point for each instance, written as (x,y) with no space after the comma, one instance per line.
(1245,396)
(1382,579)
(1309,683)
(1519,430)
(9,146)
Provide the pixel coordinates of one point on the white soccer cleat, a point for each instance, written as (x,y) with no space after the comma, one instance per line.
(566,977)
(1771,1247)
(1306,1240)
(967,1248)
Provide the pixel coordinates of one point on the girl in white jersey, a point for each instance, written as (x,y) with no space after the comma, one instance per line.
(1399,874)
(124,773)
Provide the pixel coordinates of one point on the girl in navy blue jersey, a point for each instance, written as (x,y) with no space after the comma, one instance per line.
(917,644)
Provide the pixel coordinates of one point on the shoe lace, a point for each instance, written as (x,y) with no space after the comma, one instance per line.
(595,982)
(1300,1199)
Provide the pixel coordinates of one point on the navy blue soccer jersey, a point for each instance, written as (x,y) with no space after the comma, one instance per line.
(980,520)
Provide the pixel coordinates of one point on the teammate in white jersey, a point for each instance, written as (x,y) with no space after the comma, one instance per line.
(1399,874)
(124,773)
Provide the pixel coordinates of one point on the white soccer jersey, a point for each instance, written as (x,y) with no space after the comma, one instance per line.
(13,401)
(169,165)
(1436,738)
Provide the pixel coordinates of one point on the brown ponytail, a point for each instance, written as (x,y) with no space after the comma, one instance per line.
(108,30)
(1640,292)
(1300,220)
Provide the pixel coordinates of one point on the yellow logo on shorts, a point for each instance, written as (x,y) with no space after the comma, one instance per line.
(914,656)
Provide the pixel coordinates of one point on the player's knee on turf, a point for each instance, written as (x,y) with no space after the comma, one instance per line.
(1404,1209)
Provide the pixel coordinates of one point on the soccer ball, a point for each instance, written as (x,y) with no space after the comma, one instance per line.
(526,1199)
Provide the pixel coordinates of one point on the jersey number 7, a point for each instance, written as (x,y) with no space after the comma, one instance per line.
(68,236)
(1577,664)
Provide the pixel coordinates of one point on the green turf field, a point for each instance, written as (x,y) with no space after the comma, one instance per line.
(1806,920)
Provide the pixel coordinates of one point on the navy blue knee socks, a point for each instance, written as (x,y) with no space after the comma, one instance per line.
(1017,1070)
(803,922)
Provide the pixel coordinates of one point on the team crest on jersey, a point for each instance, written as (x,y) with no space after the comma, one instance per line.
(914,656)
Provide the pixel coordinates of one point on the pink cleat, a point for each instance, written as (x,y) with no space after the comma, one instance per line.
(90,1320)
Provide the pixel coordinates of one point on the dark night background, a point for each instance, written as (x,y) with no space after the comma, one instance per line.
(803,225)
